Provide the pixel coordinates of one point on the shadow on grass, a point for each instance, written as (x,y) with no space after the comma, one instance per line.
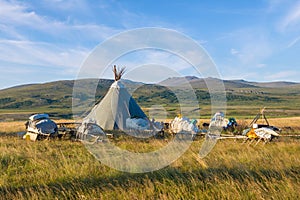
(126,181)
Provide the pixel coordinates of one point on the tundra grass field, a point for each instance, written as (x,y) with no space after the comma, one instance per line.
(233,170)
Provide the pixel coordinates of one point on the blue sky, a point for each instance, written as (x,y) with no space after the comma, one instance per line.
(46,40)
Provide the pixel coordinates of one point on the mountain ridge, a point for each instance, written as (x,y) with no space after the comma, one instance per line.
(174,81)
(241,83)
(57,96)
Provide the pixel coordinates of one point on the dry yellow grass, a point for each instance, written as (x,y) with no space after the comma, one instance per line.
(12,127)
(282,122)
(278,122)
(19,126)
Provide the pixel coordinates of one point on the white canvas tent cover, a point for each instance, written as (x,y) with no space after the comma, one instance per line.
(115,108)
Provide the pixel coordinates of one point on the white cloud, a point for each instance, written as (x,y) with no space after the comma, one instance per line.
(234,51)
(252,50)
(42,54)
(294,42)
(253,53)
(145,59)
(10,32)
(274,5)
(15,16)
(151,73)
(17,74)
(18,48)
(253,46)
(65,5)
(237,74)
(19,22)
(292,18)
(151,46)
(261,65)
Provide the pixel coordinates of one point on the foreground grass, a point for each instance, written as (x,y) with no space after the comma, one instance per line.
(65,170)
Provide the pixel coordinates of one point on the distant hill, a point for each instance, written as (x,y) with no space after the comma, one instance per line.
(176,81)
(277,84)
(56,97)
(196,82)
(201,83)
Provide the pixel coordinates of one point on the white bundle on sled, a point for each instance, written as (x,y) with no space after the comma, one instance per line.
(39,124)
(89,126)
(184,124)
(137,124)
(265,133)
(218,120)
(89,131)
(43,126)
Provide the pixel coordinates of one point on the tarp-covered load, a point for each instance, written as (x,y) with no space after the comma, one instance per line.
(218,120)
(264,133)
(137,124)
(40,125)
(183,124)
(261,131)
(90,132)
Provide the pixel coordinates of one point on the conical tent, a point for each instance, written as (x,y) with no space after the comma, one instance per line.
(117,106)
